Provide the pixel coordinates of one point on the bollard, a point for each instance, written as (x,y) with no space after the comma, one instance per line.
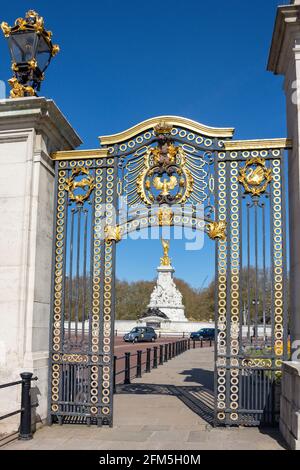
(170,350)
(116,332)
(194,344)
(210,342)
(25,432)
(189,343)
(114,377)
(139,364)
(201,343)
(166,353)
(177,348)
(155,357)
(161,355)
(148,360)
(173,349)
(127,369)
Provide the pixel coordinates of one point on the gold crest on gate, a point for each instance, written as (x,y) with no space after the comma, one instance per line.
(255,176)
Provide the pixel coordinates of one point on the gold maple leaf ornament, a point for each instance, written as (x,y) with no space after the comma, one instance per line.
(216,230)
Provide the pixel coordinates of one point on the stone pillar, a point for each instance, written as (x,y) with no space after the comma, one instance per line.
(30,129)
(284,60)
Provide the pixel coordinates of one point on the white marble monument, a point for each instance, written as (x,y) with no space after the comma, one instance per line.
(165,296)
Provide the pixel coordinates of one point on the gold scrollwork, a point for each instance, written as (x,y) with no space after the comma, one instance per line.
(257,362)
(6,29)
(18,90)
(255,176)
(72,185)
(113,233)
(216,230)
(32,22)
(77,358)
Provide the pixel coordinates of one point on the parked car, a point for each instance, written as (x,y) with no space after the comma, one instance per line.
(204,333)
(140,333)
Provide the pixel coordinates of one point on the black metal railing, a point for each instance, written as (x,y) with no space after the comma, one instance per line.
(25,431)
(143,361)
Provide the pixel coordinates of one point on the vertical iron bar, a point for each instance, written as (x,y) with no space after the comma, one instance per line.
(139,365)
(115,371)
(155,357)
(148,360)
(127,369)
(161,355)
(77,271)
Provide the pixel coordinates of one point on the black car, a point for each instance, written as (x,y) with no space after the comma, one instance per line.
(140,333)
(204,333)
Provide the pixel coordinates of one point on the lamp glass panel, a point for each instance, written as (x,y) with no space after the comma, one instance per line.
(43,53)
(22,46)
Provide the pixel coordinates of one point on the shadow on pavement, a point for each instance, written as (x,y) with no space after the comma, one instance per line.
(198,398)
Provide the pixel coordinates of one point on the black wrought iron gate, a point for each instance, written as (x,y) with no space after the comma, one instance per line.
(164,172)
(83,290)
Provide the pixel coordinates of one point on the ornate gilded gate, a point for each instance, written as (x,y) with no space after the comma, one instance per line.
(170,171)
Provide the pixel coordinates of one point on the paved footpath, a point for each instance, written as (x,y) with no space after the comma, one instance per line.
(170,408)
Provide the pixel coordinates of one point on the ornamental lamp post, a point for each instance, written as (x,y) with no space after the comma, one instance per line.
(31,51)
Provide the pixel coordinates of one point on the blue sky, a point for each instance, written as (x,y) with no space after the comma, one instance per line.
(124,61)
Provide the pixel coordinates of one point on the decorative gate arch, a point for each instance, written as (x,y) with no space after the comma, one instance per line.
(161,172)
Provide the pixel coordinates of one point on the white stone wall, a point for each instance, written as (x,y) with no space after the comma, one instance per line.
(284,60)
(290,405)
(30,128)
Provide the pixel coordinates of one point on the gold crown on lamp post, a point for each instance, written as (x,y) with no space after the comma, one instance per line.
(31,50)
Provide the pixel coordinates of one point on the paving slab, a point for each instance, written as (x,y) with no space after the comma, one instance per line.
(154,414)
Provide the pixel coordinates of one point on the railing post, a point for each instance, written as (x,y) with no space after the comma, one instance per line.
(139,365)
(25,423)
(161,355)
(155,357)
(115,370)
(148,360)
(166,353)
(127,369)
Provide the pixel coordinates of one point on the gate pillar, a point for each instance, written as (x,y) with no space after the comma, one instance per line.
(284,60)
(30,129)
